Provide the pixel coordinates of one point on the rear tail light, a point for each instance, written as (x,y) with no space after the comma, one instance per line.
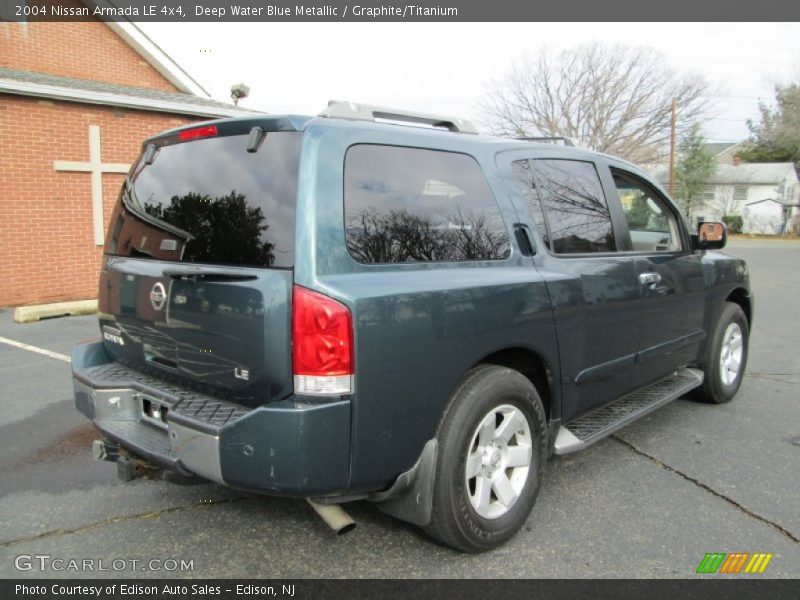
(322,350)
(197,132)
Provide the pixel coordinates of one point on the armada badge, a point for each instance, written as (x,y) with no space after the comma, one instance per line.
(158,296)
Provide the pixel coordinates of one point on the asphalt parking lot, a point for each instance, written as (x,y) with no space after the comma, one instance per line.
(647,502)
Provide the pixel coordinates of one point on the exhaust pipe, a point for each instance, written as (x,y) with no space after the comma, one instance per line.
(334,516)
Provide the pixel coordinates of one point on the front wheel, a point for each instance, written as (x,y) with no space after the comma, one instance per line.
(726,357)
(492,453)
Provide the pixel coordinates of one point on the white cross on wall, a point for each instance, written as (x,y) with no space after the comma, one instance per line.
(96,167)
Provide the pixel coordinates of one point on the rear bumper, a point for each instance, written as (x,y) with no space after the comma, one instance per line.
(285,448)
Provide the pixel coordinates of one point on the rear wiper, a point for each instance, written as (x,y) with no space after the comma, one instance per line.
(208,273)
(140,252)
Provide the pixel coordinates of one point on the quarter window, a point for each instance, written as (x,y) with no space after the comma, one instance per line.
(577,213)
(412,204)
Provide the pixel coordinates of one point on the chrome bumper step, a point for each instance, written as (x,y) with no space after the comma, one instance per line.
(604,421)
(148,441)
(168,426)
(195,409)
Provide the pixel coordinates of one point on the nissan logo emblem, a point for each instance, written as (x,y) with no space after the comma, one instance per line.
(158,296)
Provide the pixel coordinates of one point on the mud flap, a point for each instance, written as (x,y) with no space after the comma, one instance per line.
(410,499)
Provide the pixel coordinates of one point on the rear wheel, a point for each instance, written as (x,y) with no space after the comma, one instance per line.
(492,451)
(726,357)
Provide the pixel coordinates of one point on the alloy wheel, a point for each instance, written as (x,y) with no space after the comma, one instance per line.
(498,460)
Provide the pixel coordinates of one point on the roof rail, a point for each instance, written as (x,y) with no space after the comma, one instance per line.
(364,112)
(567,141)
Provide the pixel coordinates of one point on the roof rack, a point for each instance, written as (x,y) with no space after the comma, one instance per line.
(364,112)
(567,141)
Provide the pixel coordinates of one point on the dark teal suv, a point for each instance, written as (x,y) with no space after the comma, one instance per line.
(346,307)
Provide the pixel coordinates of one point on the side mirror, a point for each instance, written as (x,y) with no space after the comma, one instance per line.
(710,236)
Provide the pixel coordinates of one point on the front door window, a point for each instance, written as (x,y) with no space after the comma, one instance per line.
(652,226)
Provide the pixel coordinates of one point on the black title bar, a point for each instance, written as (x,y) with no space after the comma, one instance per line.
(705,588)
(228,11)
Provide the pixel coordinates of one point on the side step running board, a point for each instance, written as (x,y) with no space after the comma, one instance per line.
(596,425)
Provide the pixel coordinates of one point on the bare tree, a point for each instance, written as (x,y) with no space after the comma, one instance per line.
(614,99)
(725,202)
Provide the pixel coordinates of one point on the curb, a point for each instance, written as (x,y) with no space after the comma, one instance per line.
(30,314)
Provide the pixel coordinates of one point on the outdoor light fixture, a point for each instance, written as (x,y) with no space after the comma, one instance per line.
(238,92)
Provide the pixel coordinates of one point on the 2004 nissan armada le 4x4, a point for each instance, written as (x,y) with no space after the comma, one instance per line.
(341,307)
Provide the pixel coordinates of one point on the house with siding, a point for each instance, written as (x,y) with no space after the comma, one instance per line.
(765,195)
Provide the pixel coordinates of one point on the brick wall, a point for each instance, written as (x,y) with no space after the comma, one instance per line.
(47,250)
(81,50)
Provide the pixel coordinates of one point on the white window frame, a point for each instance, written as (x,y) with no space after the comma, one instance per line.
(708,193)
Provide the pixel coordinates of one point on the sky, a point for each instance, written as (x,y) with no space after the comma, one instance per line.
(444,67)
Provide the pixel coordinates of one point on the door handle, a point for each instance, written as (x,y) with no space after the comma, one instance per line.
(649,278)
(524,239)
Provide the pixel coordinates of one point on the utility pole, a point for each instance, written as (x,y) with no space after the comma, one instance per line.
(672,147)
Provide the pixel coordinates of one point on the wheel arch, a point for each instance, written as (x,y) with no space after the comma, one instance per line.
(410,498)
(742,297)
(534,367)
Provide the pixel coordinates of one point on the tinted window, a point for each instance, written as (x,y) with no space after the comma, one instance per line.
(651,224)
(211,201)
(527,185)
(577,213)
(409,204)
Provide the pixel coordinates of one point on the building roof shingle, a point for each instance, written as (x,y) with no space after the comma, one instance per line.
(97,92)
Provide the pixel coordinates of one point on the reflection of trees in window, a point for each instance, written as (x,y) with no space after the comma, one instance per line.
(402,236)
(527,184)
(577,212)
(225,229)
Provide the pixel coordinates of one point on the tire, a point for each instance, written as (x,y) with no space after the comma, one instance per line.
(721,383)
(465,515)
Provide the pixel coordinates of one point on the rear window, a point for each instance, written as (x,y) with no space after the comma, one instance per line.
(411,205)
(211,201)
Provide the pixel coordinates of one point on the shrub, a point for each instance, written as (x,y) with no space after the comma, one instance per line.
(734,223)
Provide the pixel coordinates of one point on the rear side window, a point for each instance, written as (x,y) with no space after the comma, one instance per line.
(411,204)
(527,185)
(211,201)
(578,218)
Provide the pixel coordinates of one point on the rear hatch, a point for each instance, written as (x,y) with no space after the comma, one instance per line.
(197,274)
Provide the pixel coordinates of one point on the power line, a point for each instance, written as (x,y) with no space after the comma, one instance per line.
(734,97)
(735,120)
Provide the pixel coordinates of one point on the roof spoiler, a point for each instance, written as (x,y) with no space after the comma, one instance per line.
(340,109)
